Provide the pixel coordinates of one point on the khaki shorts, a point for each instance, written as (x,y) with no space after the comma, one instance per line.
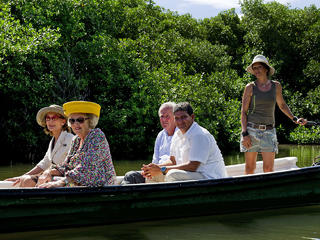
(261,140)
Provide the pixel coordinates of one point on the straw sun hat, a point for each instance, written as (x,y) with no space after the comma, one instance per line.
(81,107)
(43,112)
(262,59)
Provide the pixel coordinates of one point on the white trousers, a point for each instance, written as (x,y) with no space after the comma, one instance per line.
(174,175)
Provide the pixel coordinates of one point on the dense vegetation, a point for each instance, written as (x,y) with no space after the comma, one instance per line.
(131,55)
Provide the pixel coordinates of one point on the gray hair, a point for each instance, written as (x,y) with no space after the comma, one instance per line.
(166,105)
(93,120)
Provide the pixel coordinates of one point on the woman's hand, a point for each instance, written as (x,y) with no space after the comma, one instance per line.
(246,142)
(302,121)
(13,179)
(45,177)
(16,180)
(55,184)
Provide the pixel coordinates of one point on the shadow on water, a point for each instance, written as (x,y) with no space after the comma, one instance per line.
(291,223)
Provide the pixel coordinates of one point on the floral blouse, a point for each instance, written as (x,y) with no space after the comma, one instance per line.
(92,164)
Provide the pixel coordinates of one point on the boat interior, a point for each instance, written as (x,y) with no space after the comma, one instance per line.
(237,170)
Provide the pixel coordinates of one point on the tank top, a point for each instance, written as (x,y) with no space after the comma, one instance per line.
(262,105)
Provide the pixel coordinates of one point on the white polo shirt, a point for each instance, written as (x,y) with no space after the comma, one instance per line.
(197,144)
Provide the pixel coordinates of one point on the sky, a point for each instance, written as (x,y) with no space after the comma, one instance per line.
(210,8)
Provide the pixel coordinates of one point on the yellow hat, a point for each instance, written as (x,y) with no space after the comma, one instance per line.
(81,107)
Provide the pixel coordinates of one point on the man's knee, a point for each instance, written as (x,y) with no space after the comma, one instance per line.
(133,177)
(182,175)
(175,175)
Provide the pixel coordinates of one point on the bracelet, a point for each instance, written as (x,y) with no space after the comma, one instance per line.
(69,183)
(244,134)
(294,119)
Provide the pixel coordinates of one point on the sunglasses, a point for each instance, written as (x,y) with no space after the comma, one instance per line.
(79,120)
(53,118)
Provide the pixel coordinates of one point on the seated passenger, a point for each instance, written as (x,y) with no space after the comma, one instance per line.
(161,151)
(194,153)
(89,161)
(54,122)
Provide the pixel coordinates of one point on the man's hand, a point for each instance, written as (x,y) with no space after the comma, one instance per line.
(150,170)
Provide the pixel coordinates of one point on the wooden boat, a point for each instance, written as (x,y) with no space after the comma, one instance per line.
(31,208)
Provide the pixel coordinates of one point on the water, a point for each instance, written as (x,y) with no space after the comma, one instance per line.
(291,223)
(294,223)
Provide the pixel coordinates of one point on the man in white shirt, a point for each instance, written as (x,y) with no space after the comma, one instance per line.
(194,153)
(162,145)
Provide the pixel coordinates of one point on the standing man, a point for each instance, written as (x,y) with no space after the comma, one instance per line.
(194,153)
(162,145)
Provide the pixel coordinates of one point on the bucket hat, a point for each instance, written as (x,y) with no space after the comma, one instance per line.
(41,115)
(263,59)
(81,107)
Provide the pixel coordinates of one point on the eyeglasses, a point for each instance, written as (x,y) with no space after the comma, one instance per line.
(79,120)
(53,118)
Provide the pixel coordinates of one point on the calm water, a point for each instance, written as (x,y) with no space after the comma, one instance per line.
(298,223)
(291,223)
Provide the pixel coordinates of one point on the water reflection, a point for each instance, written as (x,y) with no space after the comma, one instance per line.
(305,154)
(294,223)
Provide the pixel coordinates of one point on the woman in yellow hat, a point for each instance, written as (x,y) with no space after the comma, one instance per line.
(89,162)
(54,122)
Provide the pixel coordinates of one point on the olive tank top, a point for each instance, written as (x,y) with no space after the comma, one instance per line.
(262,105)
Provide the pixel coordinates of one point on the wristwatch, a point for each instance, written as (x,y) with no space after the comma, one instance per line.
(163,170)
(66,181)
(244,134)
(294,119)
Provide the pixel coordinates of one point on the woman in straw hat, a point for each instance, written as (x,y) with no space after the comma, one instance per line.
(89,161)
(54,122)
(257,115)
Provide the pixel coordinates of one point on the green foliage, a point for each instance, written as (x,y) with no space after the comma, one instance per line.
(304,135)
(131,55)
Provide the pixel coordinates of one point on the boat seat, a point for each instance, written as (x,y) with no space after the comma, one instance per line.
(280,164)
(6,184)
(119,180)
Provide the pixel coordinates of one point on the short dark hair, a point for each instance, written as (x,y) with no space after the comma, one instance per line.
(266,67)
(183,106)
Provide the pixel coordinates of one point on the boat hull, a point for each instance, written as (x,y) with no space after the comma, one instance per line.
(32,209)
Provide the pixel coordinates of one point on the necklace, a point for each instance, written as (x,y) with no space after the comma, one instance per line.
(265,84)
